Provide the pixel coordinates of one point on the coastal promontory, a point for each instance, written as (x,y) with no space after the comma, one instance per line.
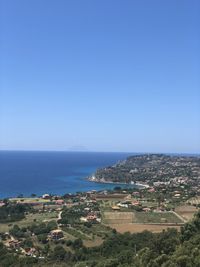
(149,169)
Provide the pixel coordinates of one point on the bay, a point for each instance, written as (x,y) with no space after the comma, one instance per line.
(39,172)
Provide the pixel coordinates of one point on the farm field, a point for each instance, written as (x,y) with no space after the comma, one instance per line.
(186,211)
(156,217)
(140,217)
(137,228)
(118,217)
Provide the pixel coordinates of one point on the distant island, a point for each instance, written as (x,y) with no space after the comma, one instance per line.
(151,169)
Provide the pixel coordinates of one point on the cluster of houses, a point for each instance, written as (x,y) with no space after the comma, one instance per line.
(15,244)
(91,215)
(130,204)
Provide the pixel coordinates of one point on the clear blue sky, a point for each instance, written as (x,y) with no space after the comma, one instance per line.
(104,75)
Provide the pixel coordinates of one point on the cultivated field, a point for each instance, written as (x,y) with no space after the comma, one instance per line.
(118,217)
(136,228)
(140,217)
(156,217)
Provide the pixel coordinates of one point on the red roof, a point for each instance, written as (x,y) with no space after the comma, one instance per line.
(59,201)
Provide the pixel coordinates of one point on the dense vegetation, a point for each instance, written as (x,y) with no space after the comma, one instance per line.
(72,215)
(13,212)
(167,249)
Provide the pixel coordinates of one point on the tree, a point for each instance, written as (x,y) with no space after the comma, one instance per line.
(59,253)
(42,238)
(28,243)
(184,261)
(78,243)
(17,232)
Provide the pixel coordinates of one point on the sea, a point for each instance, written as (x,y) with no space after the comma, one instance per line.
(39,172)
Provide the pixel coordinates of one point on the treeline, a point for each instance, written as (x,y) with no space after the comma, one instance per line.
(40,231)
(166,249)
(72,215)
(169,248)
(13,212)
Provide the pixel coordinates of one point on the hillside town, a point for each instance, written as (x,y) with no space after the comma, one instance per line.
(33,226)
(152,169)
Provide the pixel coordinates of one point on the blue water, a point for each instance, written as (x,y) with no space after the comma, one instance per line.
(51,172)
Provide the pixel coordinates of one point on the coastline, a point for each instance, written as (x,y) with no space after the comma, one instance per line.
(51,172)
(103,181)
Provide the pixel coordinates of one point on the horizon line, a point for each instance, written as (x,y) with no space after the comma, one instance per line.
(94,151)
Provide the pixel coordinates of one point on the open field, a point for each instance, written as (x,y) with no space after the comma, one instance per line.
(156,217)
(136,228)
(118,217)
(149,203)
(93,243)
(113,217)
(186,211)
(38,218)
(116,197)
(96,230)
(67,236)
(30,218)
(29,200)
(76,233)
(91,236)
(139,221)
(4,227)
(107,204)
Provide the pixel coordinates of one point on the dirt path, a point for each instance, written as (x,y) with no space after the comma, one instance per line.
(59,216)
(179,216)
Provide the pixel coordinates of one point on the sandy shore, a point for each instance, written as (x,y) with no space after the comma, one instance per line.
(103,181)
